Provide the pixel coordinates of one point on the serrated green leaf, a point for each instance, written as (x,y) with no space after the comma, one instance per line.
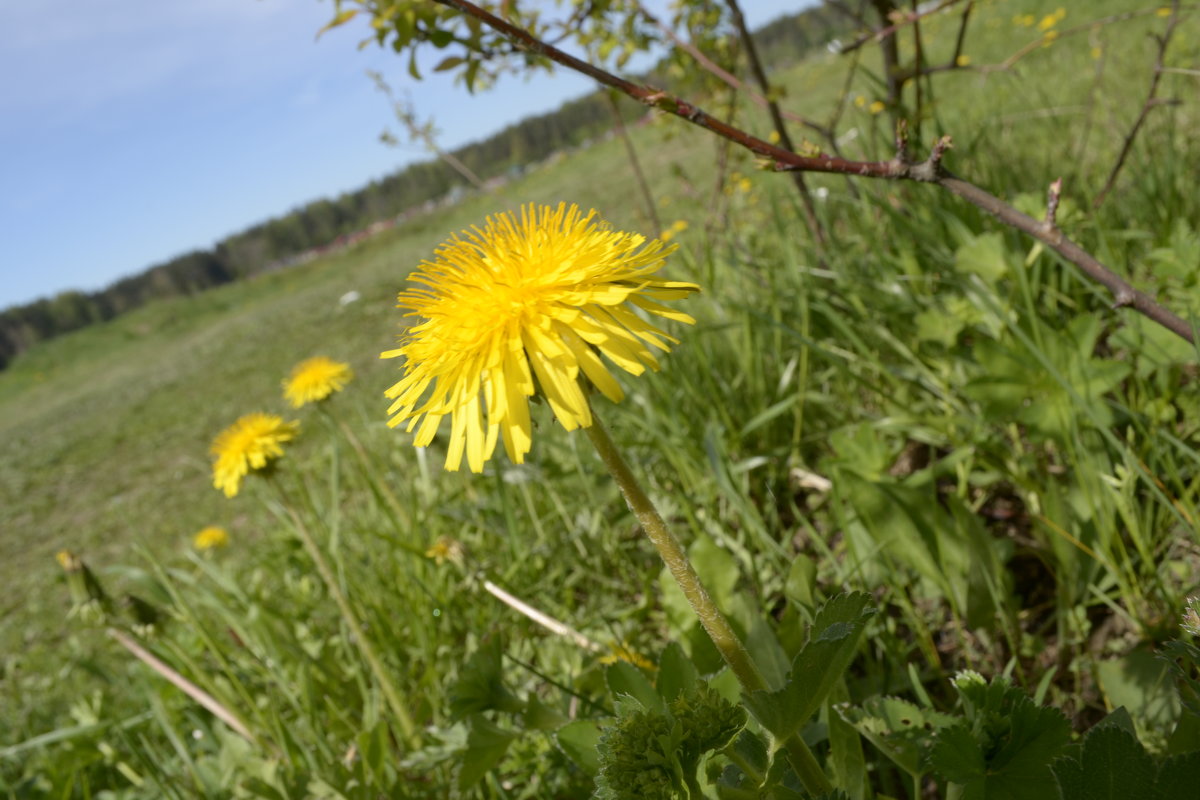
(897,728)
(833,641)
(579,740)
(1115,765)
(957,756)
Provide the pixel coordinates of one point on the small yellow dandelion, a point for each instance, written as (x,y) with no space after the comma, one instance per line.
(1163,12)
(744,185)
(525,306)
(1048,38)
(860,101)
(1048,22)
(876,107)
(963,60)
(774,138)
(1096,53)
(248,444)
(210,538)
(315,379)
(68,561)
(623,652)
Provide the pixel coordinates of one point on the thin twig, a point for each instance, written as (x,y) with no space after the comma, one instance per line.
(928,171)
(1151,101)
(908,19)
(756,68)
(634,163)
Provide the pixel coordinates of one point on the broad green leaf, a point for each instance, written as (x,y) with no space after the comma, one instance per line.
(832,644)
(1113,765)
(676,673)
(985,256)
(487,743)
(624,678)
(579,740)
(480,685)
(1178,776)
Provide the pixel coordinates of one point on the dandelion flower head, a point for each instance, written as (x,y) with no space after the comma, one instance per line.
(315,379)
(526,305)
(248,444)
(210,537)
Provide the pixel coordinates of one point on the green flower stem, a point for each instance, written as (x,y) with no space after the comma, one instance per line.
(714,622)
(390,694)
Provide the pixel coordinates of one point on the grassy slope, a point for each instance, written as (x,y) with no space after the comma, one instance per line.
(105,431)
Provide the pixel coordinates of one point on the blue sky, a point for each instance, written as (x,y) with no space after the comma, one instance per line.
(132,131)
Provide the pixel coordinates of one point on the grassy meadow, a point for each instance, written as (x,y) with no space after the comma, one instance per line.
(932,410)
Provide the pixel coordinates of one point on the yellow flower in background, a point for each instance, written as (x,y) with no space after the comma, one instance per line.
(210,537)
(963,60)
(68,561)
(623,652)
(1165,11)
(677,227)
(774,138)
(1048,38)
(314,379)
(1096,53)
(446,549)
(860,101)
(526,305)
(248,444)
(876,107)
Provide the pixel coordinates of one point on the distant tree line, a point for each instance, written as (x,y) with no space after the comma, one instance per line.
(314,225)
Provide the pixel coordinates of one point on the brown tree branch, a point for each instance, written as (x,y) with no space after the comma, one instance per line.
(1151,101)
(900,168)
(908,19)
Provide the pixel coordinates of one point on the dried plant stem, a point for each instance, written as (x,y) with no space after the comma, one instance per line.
(187,687)
(928,171)
(715,625)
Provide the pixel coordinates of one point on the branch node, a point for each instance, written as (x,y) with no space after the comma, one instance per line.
(940,148)
(1052,199)
(902,141)
(1124,296)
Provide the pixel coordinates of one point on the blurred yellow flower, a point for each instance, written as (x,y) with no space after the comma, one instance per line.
(210,537)
(876,107)
(860,101)
(248,444)
(963,60)
(773,137)
(1097,52)
(1165,11)
(677,227)
(1048,38)
(446,549)
(623,652)
(68,561)
(315,379)
(525,306)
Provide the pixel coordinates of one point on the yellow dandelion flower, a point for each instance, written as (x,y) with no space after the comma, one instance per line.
(248,444)
(963,60)
(744,185)
(315,379)
(210,537)
(860,101)
(623,652)
(1096,53)
(526,305)
(876,107)
(1048,22)
(1048,38)
(68,561)
(774,138)
(1165,11)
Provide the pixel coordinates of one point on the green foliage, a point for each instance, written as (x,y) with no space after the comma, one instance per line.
(1005,744)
